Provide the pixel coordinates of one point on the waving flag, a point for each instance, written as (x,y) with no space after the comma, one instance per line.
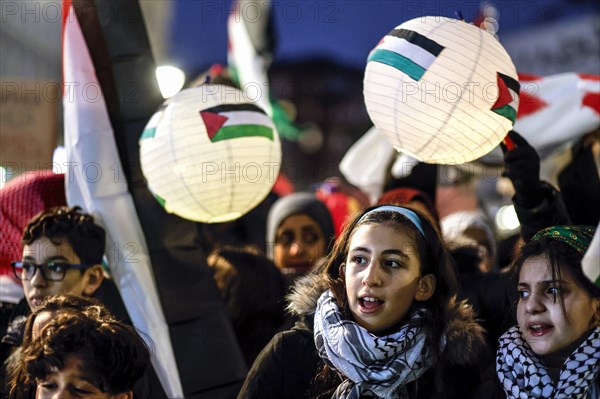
(110,91)
(554,112)
(557,110)
(249,54)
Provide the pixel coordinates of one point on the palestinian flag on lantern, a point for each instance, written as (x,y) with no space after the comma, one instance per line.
(154,257)
(232,121)
(508,94)
(407,51)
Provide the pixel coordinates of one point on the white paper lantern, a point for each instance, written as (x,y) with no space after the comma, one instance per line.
(209,154)
(441,90)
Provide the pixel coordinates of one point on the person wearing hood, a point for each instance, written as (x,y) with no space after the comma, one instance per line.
(299,233)
(379,318)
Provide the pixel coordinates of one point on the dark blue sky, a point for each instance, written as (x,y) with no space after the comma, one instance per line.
(343,30)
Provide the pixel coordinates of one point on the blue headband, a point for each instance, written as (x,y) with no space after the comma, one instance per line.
(407,213)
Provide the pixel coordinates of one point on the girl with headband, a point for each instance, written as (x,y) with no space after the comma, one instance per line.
(554,351)
(385,317)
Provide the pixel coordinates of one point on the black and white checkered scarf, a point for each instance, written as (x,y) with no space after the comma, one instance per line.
(374,366)
(524,376)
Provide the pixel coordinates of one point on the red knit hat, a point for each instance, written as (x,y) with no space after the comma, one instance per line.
(21,199)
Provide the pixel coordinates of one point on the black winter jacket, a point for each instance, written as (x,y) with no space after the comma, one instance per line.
(286,368)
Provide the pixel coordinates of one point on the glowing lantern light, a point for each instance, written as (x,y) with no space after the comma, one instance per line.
(441,90)
(209,154)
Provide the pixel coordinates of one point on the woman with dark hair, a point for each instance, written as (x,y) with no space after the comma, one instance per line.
(386,320)
(299,233)
(554,351)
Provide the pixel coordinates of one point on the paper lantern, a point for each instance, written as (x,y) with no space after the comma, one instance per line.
(441,90)
(209,154)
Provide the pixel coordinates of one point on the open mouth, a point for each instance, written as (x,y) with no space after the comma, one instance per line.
(538,329)
(369,304)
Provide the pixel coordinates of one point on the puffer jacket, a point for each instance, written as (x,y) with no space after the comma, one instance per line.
(286,368)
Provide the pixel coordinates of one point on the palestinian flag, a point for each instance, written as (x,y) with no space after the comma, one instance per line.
(558,109)
(508,94)
(154,257)
(407,51)
(232,121)
(249,54)
(250,46)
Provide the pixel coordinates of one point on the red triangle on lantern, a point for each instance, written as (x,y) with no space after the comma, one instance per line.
(504,96)
(213,122)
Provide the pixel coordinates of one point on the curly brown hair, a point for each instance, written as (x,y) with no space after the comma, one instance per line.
(18,383)
(71,224)
(112,352)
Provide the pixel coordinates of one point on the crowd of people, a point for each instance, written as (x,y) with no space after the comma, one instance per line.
(397,305)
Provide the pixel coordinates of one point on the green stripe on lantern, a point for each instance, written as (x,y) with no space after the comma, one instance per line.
(397,61)
(239,131)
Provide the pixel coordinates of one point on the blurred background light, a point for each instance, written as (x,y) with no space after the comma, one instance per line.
(170,80)
(506,219)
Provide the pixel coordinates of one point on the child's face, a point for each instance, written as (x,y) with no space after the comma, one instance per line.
(42,251)
(72,382)
(382,272)
(539,312)
(299,243)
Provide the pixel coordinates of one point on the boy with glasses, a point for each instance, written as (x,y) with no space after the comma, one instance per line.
(62,254)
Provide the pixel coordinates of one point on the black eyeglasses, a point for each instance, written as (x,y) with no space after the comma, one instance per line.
(51,271)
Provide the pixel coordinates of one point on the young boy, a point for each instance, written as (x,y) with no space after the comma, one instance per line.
(62,253)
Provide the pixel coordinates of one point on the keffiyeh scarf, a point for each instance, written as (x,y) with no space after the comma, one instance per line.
(374,366)
(524,376)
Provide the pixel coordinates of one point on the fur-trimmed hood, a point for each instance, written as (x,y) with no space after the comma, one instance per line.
(303,297)
(465,342)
